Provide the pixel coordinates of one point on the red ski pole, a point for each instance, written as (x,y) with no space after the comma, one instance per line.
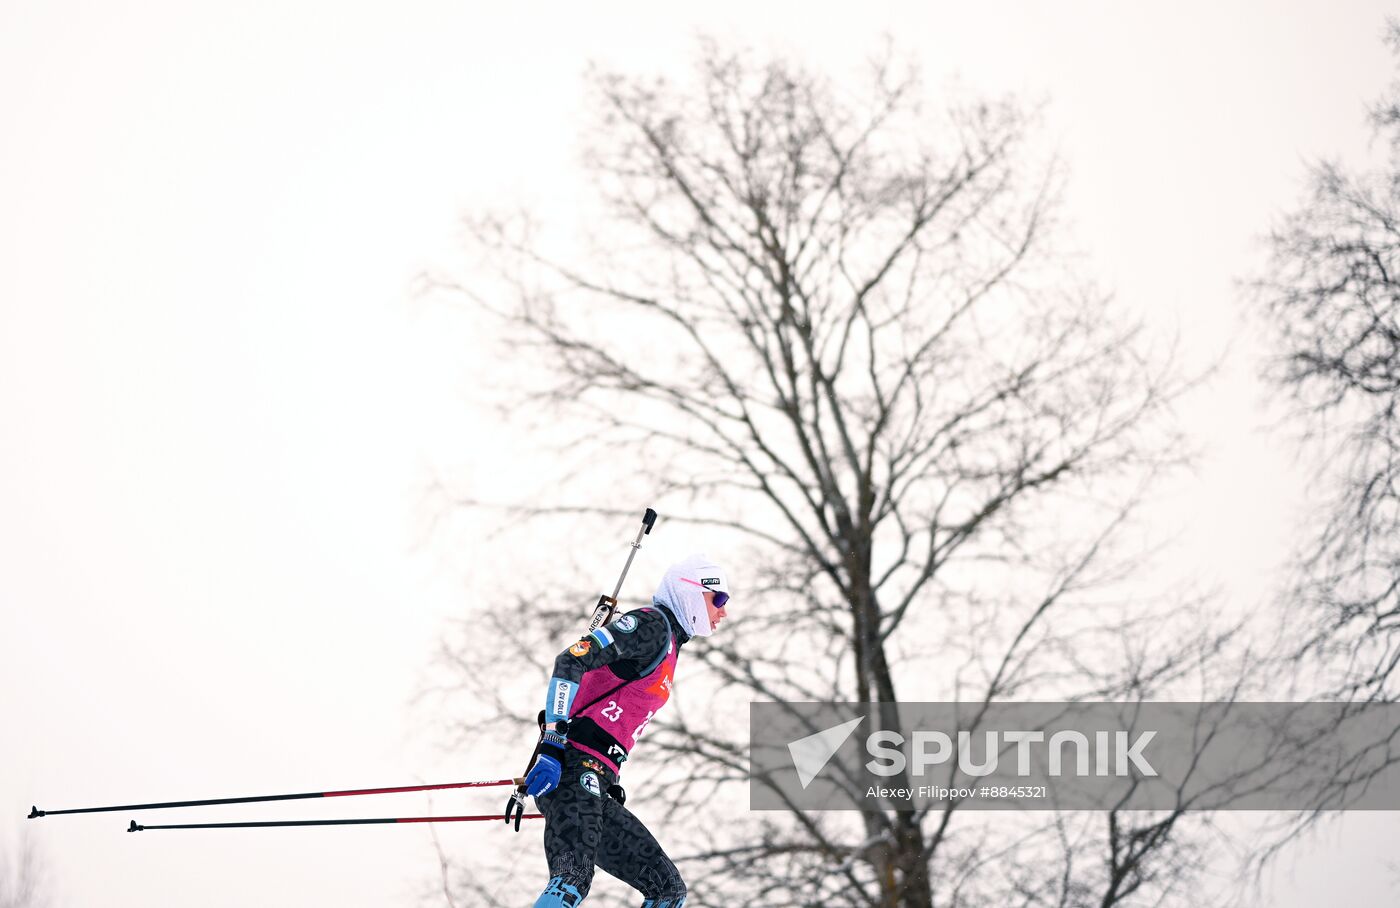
(35,812)
(137,827)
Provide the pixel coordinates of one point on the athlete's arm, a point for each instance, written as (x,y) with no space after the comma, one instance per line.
(636,637)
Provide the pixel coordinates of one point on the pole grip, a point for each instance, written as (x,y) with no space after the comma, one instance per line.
(648,520)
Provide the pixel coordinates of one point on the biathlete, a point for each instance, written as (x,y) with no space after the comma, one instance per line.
(604,690)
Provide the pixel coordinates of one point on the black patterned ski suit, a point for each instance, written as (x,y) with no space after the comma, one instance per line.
(584,826)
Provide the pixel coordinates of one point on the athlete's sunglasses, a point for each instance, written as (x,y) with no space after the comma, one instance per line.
(721,598)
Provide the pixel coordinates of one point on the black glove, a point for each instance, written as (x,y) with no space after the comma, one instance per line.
(617,794)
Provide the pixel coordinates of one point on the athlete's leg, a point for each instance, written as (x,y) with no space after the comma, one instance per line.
(573,816)
(631,853)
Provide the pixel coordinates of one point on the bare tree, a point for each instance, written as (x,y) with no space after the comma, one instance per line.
(854,347)
(22,878)
(1333,298)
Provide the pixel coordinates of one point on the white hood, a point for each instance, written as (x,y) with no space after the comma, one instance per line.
(682,590)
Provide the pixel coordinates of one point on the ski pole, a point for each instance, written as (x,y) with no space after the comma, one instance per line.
(137,827)
(35,812)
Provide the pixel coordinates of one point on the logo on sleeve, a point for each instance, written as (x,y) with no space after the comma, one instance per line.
(562,693)
(627,624)
(580,648)
(589,781)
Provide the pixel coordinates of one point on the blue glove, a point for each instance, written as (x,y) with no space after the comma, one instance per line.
(543,777)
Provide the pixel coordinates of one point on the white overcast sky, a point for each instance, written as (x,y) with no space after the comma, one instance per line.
(217,398)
